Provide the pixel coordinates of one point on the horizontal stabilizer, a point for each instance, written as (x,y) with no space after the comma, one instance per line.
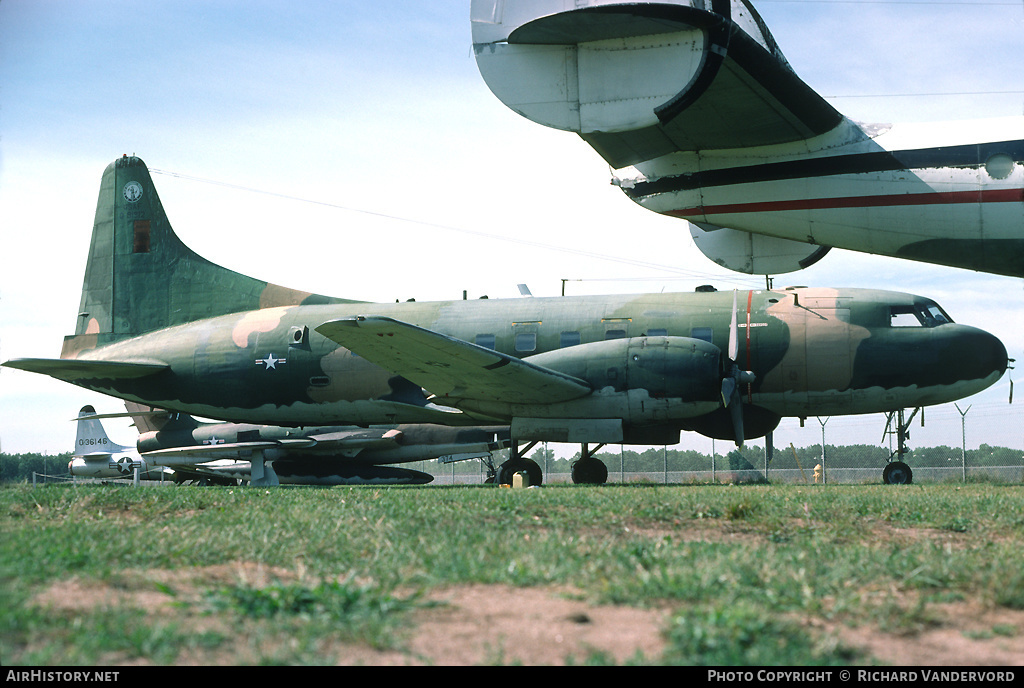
(69,369)
(104,416)
(450,367)
(95,456)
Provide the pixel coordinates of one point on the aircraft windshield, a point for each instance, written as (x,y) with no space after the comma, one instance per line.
(923,314)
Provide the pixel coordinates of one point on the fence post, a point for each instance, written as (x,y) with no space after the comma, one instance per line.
(713,478)
(824,470)
(963,442)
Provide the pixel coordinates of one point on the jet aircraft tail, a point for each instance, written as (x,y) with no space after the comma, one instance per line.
(92,439)
(140,277)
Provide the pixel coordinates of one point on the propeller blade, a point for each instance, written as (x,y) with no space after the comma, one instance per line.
(734,336)
(736,410)
(732,398)
(728,390)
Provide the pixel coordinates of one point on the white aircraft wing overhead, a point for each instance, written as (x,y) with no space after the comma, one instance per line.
(450,367)
(638,80)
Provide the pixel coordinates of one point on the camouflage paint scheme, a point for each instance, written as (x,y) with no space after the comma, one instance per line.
(161,326)
(700,116)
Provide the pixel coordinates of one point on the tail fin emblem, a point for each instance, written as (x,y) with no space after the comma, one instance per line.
(132,192)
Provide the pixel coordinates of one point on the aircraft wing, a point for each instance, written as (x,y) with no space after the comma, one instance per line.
(71,369)
(354,440)
(208,452)
(638,80)
(349,442)
(450,367)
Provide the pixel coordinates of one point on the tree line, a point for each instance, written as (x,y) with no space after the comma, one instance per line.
(18,468)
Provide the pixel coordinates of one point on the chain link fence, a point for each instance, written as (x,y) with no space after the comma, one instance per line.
(858,464)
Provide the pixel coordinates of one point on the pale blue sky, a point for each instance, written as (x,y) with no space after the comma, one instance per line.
(378,107)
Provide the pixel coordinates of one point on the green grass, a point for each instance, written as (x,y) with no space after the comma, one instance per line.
(746,570)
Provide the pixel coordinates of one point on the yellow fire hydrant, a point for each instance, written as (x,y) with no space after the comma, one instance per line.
(817,473)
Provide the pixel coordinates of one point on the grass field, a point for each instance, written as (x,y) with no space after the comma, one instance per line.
(721,575)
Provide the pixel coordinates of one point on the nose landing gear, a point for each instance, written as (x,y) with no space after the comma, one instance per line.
(897,472)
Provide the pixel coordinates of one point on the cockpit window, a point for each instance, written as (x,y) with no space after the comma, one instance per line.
(927,314)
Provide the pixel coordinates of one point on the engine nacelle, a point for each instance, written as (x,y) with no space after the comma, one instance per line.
(757,422)
(679,368)
(754,254)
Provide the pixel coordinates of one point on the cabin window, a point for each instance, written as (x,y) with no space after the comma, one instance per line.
(702,333)
(526,341)
(569,339)
(657,332)
(616,328)
(933,315)
(917,315)
(141,237)
(903,316)
(485,340)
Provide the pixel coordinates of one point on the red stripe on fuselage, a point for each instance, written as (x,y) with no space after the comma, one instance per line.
(934,198)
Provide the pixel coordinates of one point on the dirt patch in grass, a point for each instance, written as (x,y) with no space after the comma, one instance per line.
(499,624)
(965,634)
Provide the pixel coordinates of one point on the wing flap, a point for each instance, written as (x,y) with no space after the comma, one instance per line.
(450,367)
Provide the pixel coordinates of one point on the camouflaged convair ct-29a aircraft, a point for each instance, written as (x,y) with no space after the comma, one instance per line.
(700,116)
(160,325)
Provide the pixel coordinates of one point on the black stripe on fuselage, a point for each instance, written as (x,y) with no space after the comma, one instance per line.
(971,155)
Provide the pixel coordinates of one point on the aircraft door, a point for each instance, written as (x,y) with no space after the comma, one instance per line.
(829,354)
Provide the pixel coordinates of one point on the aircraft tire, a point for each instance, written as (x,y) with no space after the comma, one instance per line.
(509,468)
(589,472)
(897,473)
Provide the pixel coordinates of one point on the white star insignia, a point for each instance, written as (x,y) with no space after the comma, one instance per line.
(270,363)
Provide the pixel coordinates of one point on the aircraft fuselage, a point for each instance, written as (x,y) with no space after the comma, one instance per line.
(813,352)
(951,194)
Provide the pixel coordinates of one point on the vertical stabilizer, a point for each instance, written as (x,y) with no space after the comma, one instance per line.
(140,277)
(92,438)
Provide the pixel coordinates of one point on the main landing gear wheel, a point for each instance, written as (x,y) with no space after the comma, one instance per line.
(897,473)
(513,466)
(589,471)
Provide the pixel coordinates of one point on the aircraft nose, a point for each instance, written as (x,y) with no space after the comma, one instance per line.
(977,354)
